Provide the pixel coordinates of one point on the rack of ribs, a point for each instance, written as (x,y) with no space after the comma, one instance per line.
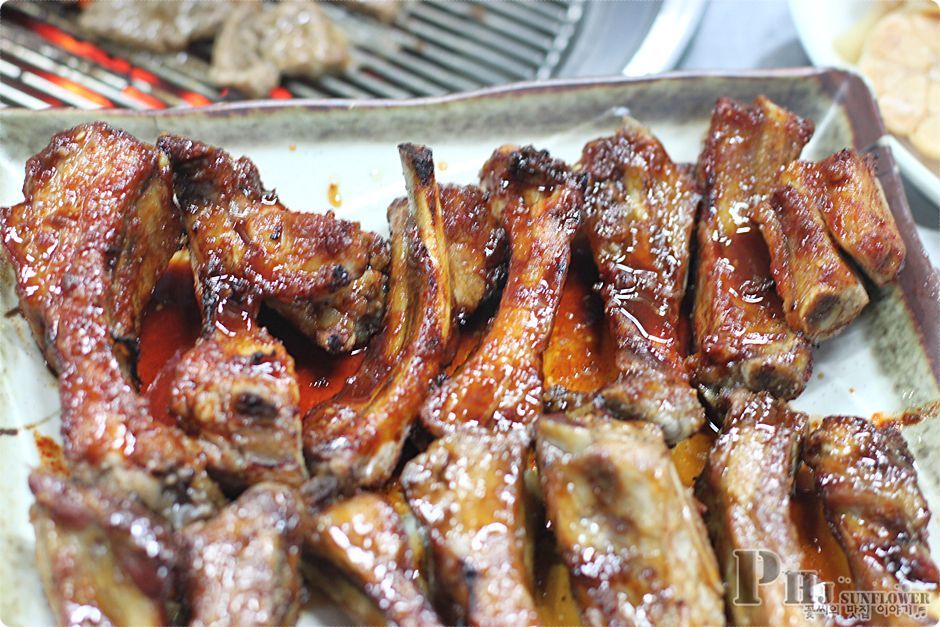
(629,531)
(868,484)
(538,201)
(305,265)
(356,438)
(640,211)
(740,334)
(746,487)
(468,492)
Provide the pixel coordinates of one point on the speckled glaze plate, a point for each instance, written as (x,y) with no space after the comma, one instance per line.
(887,361)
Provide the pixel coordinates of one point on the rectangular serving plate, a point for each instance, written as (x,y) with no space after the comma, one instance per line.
(887,361)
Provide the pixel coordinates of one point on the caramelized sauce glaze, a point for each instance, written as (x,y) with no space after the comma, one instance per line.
(580,356)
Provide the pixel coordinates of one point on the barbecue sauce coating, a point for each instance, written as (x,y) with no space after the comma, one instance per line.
(740,334)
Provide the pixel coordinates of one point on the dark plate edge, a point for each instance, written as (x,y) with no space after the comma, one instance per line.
(222,109)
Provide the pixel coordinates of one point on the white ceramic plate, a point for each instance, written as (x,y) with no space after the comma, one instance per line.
(886,362)
(818,25)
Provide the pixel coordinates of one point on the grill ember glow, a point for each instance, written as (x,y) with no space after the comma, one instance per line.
(434,47)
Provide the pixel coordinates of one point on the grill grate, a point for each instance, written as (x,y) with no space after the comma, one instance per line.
(433,47)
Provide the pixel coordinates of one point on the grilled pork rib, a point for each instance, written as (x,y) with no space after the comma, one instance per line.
(868,484)
(628,529)
(467,490)
(363,540)
(242,566)
(855,210)
(355,439)
(236,393)
(639,218)
(741,337)
(243,238)
(499,387)
(746,487)
(103,558)
(821,294)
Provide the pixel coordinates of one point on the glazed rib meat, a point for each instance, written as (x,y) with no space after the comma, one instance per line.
(236,393)
(868,484)
(629,531)
(467,490)
(355,439)
(746,487)
(98,192)
(154,26)
(821,294)
(242,566)
(640,213)
(96,229)
(499,387)
(855,211)
(363,540)
(741,336)
(476,246)
(241,236)
(260,41)
(103,559)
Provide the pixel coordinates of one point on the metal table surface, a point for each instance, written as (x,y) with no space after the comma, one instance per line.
(752,34)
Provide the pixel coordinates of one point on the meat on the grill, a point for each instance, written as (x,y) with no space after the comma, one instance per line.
(356,438)
(468,491)
(366,564)
(156,26)
(868,484)
(242,567)
(384,10)
(538,201)
(741,337)
(260,41)
(746,487)
(103,558)
(245,243)
(640,214)
(628,530)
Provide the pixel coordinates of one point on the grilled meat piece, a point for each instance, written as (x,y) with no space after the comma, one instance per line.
(628,530)
(384,10)
(259,42)
(356,438)
(237,394)
(499,387)
(746,487)
(467,490)
(640,213)
(95,231)
(363,540)
(103,559)
(476,246)
(868,484)
(246,243)
(154,26)
(855,210)
(821,294)
(242,567)
(741,337)
(93,191)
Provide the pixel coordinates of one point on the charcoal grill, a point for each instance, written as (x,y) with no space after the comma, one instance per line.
(433,47)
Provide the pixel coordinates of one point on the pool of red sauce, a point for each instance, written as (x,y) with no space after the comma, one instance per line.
(579,356)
